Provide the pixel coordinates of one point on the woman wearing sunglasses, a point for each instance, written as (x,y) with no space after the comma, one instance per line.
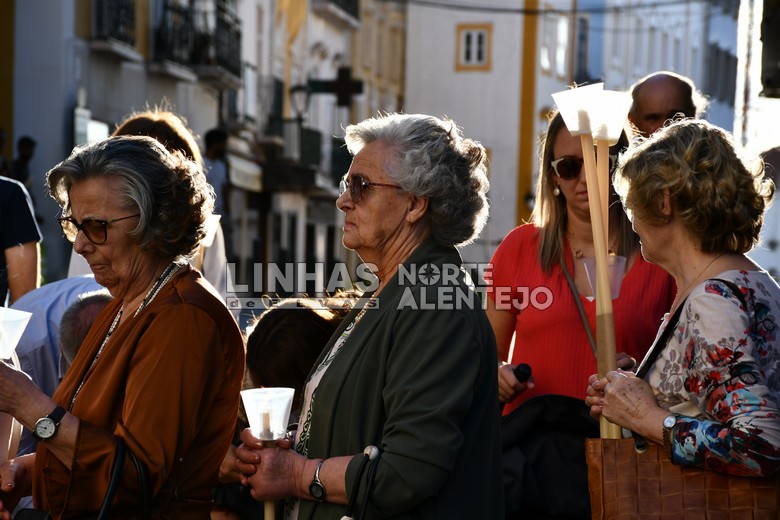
(535,258)
(410,371)
(162,365)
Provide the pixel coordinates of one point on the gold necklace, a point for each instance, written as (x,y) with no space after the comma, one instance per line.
(684,291)
(577,252)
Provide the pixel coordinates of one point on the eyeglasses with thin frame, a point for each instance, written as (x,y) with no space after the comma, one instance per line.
(569,167)
(358,185)
(95,230)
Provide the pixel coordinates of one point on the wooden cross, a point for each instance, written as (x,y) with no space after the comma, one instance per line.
(343,86)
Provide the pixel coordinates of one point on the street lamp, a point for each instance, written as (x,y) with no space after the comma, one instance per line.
(300,96)
(299,102)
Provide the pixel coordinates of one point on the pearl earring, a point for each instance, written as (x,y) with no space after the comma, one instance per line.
(556,191)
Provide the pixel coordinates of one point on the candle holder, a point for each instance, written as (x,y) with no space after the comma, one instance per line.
(12,325)
(268,412)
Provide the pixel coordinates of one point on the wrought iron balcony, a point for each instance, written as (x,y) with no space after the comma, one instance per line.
(174,35)
(217,50)
(114,28)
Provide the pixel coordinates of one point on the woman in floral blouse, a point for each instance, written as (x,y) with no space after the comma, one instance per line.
(712,393)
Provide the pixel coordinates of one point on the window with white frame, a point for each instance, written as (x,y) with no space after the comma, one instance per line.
(474,47)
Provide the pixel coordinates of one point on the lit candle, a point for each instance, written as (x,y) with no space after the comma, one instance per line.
(266,434)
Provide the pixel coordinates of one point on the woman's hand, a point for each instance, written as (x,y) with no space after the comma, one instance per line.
(271,471)
(228,473)
(625,400)
(15,483)
(508,385)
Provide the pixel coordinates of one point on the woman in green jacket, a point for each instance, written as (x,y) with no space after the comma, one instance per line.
(413,370)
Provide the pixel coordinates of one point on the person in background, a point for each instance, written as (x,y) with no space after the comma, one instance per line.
(76,322)
(417,384)
(540,255)
(20,168)
(171,130)
(160,368)
(282,346)
(539,299)
(659,96)
(5,168)
(38,350)
(215,164)
(20,263)
(711,396)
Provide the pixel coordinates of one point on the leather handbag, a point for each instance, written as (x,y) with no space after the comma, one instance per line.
(633,479)
(113,484)
(627,483)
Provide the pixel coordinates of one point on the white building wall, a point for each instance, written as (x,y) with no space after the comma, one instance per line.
(645,36)
(45,74)
(486,104)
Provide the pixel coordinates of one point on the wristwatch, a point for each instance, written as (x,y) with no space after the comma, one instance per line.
(669,422)
(46,427)
(316,489)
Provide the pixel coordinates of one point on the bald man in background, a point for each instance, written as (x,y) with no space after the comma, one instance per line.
(660,96)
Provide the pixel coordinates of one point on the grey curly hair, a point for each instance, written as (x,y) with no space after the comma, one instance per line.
(430,158)
(171,192)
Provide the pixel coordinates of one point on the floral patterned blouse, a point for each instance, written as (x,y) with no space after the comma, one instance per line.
(721,371)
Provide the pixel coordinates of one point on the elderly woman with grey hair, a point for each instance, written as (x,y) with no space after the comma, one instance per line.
(411,372)
(162,365)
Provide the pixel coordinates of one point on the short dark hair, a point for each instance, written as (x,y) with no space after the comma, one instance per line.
(285,342)
(215,136)
(25,140)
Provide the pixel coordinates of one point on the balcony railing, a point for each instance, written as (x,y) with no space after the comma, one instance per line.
(175,34)
(218,40)
(115,20)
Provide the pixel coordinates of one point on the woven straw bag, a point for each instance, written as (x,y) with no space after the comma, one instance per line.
(625,484)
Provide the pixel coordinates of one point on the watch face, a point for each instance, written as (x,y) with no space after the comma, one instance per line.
(316,491)
(670,421)
(45,428)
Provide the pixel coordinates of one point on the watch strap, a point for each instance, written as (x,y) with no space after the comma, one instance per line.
(57,414)
(316,484)
(667,438)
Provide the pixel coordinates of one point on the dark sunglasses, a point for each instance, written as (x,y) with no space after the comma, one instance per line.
(358,185)
(568,167)
(95,230)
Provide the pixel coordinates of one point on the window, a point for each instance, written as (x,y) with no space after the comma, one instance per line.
(677,54)
(474,47)
(548,41)
(367,43)
(652,62)
(561,47)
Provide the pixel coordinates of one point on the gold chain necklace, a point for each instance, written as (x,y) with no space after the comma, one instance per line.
(164,278)
(684,291)
(577,252)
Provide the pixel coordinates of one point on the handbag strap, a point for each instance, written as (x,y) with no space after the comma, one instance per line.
(660,343)
(113,483)
(583,317)
(116,477)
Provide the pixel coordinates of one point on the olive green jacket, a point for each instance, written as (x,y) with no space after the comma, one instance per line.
(416,378)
